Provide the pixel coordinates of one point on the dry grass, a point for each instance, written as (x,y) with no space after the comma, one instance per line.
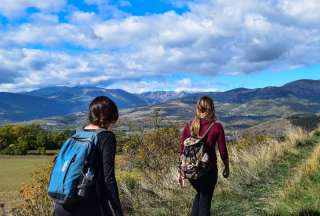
(302,190)
(248,165)
(299,137)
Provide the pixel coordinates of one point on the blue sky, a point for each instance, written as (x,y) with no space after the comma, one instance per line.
(143,45)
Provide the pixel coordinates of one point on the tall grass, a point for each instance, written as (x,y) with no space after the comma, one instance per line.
(301,194)
(248,165)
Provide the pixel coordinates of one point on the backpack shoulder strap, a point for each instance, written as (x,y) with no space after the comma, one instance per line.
(81,134)
(207,131)
(91,158)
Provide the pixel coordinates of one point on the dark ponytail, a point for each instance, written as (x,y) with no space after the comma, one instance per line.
(103,112)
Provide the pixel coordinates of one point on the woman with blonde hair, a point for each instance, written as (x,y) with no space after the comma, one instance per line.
(204,125)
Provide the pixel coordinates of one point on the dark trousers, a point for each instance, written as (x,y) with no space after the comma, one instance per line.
(59,210)
(87,207)
(204,186)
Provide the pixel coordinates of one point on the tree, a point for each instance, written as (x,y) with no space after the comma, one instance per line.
(41,142)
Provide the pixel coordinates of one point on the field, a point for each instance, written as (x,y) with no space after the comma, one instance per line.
(16,170)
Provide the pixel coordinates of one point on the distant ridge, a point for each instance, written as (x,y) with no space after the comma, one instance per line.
(83,95)
(233,105)
(20,107)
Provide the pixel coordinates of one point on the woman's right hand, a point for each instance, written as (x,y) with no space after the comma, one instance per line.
(226,172)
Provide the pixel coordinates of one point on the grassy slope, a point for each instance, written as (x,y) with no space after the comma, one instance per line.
(301,195)
(256,199)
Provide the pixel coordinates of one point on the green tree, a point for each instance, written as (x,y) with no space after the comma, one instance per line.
(42,142)
(6,137)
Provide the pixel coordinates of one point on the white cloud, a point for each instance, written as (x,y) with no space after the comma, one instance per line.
(188,85)
(306,11)
(214,37)
(186,82)
(140,86)
(15,8)
(84,18)
(257,23)
(50,34)
(164,85)
(35,68)
(108,10)
(122,33)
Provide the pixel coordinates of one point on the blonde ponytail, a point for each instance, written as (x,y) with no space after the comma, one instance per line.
(195,126)
(204,110)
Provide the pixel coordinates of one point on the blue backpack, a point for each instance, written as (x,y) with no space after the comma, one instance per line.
(72,165)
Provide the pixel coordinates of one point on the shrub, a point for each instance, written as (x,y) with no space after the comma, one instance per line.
(41,150)
(35,200)
(246,140)
(16,149)
(154,151)
(130,179)
(316,133)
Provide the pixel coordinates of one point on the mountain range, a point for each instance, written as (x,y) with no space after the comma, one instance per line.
(237,108)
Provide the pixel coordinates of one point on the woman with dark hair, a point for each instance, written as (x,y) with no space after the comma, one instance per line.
(205,125)
(104,198)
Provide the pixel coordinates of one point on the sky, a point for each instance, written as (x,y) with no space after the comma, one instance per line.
(149,45)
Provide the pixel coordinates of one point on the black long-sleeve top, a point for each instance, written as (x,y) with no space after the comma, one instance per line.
(103,200)
(106,186)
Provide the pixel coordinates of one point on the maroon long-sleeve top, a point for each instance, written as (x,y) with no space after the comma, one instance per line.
(214,136)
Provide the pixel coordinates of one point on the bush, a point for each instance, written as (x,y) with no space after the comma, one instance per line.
(16,149)
(246,140)
(153,151)
(316,133)
(130,179)
(41,150)
(35,201)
